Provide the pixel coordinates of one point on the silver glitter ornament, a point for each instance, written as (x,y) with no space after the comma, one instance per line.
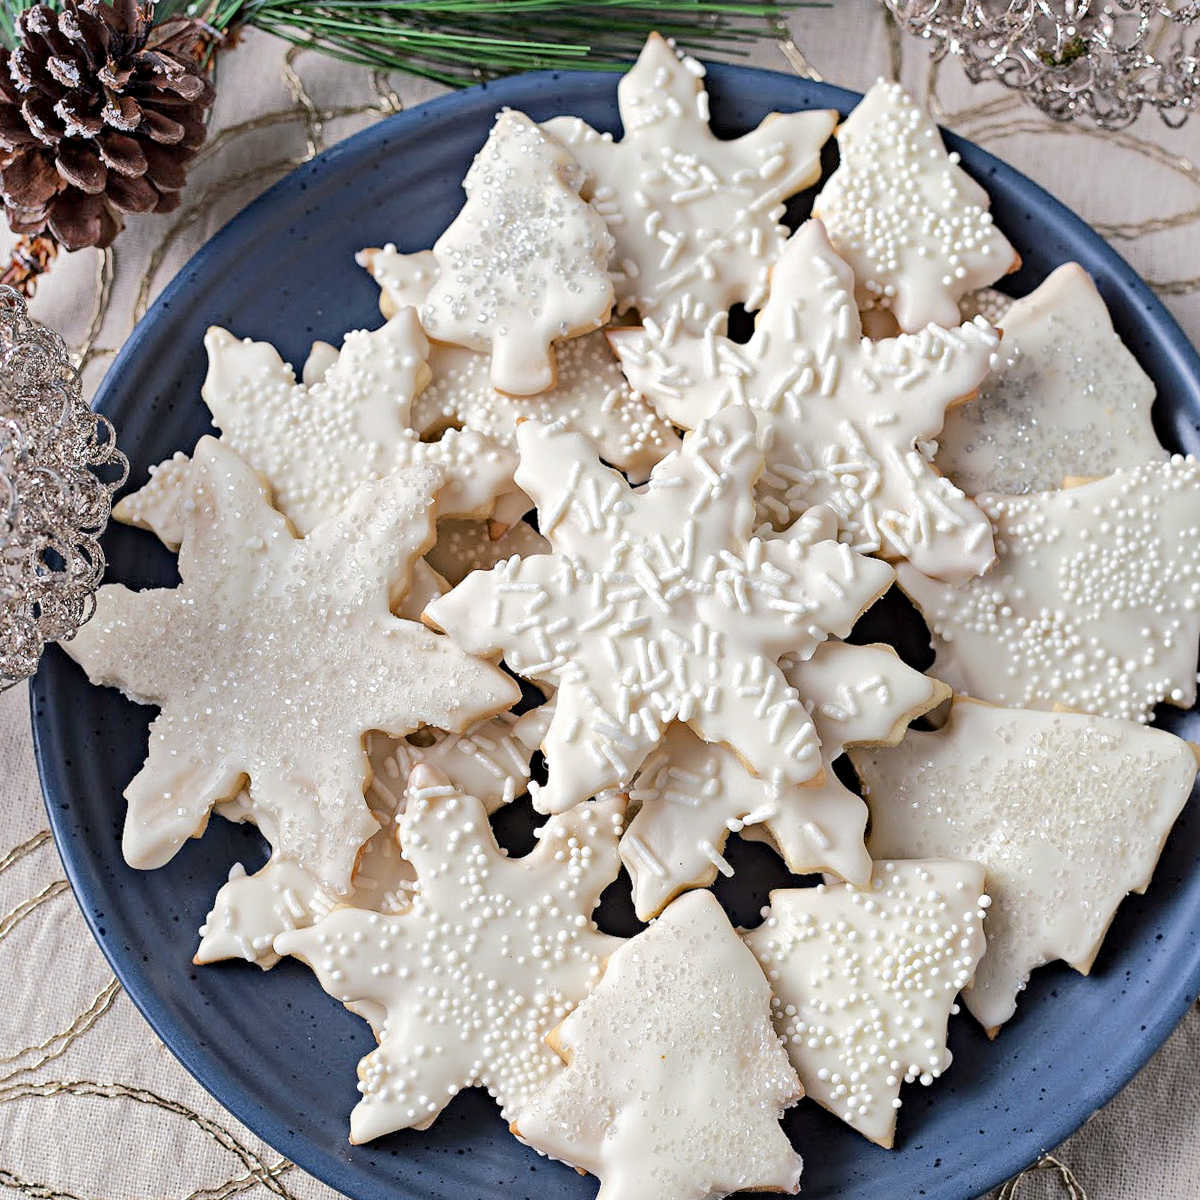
(1072,58)
(59,467)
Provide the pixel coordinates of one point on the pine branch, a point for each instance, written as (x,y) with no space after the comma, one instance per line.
(459,42)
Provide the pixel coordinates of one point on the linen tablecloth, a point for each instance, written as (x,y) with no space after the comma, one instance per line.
(91,1104)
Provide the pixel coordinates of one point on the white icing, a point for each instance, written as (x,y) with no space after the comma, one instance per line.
(488,760)
(315,442)
(691,794)
(912,224)
(590,391)
(525,263)
(675,1081)
(251,660)
(1094,601)
(466,546)
(864,982)
(1066,398)
(695,218)
(659,604)
(841,417)
(492,954)
(1065,812)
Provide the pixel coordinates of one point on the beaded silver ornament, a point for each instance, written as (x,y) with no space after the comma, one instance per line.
(1101,62)
(59,468)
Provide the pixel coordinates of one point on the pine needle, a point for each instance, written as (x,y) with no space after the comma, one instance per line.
(459,42)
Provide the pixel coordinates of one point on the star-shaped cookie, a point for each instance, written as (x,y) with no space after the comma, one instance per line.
(489,760)
(864,981)
(590,392)
(466,546)
(912,224)
(1065,813)
(841,417)
(693,794)
(675,1081)
(1066,398)
(1094,601)
(315,442)
(273,658)
(492,954)
(525,262)
(695,218)
(658,605)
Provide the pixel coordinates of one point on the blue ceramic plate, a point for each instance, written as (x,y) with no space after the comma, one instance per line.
(273,1048)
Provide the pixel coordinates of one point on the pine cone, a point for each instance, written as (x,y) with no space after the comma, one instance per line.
(100,113)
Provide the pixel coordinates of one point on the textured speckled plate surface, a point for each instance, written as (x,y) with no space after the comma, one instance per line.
(278,1052)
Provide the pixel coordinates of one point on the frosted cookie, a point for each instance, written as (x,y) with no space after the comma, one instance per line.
(696,218)
(1066,398)
(912,224)
(466,546)
(675,1081)
(989,303)
(659,605)
(693,794)
(492,954)
(257,644)
(864,982)
(525,262)
(841,417)
(1065,812)
(488,760)
(1094,601)
(316,442)
(590,392)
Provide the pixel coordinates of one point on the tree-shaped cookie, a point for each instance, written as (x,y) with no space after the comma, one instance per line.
(273,658)
(912,224)
(525,262)
(659,605)
(695,218)
(675,1081)
(1066,398)
(590,392)
(1094,601)
(1065,812)
(693,794)
(841,416)
(315,442)
(489,760)
(492,954)
(864,981)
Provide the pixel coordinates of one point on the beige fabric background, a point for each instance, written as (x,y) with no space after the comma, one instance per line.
(91,1105)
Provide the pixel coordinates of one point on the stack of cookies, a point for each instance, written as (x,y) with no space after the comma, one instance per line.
(552,463)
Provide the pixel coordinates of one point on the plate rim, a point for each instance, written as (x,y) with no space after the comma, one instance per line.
(269,1125)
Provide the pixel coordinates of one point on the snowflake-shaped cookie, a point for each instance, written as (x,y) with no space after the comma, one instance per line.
(841,416)
(693,794)
(659,605)
(492,954)
(864,982)
(675,1081)
(696,218)
(489,760)
(1064,812)
(273,658)
(1094,601)
(912,224)
(590,393)
(1066,398)
(315,442)
(525,262)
